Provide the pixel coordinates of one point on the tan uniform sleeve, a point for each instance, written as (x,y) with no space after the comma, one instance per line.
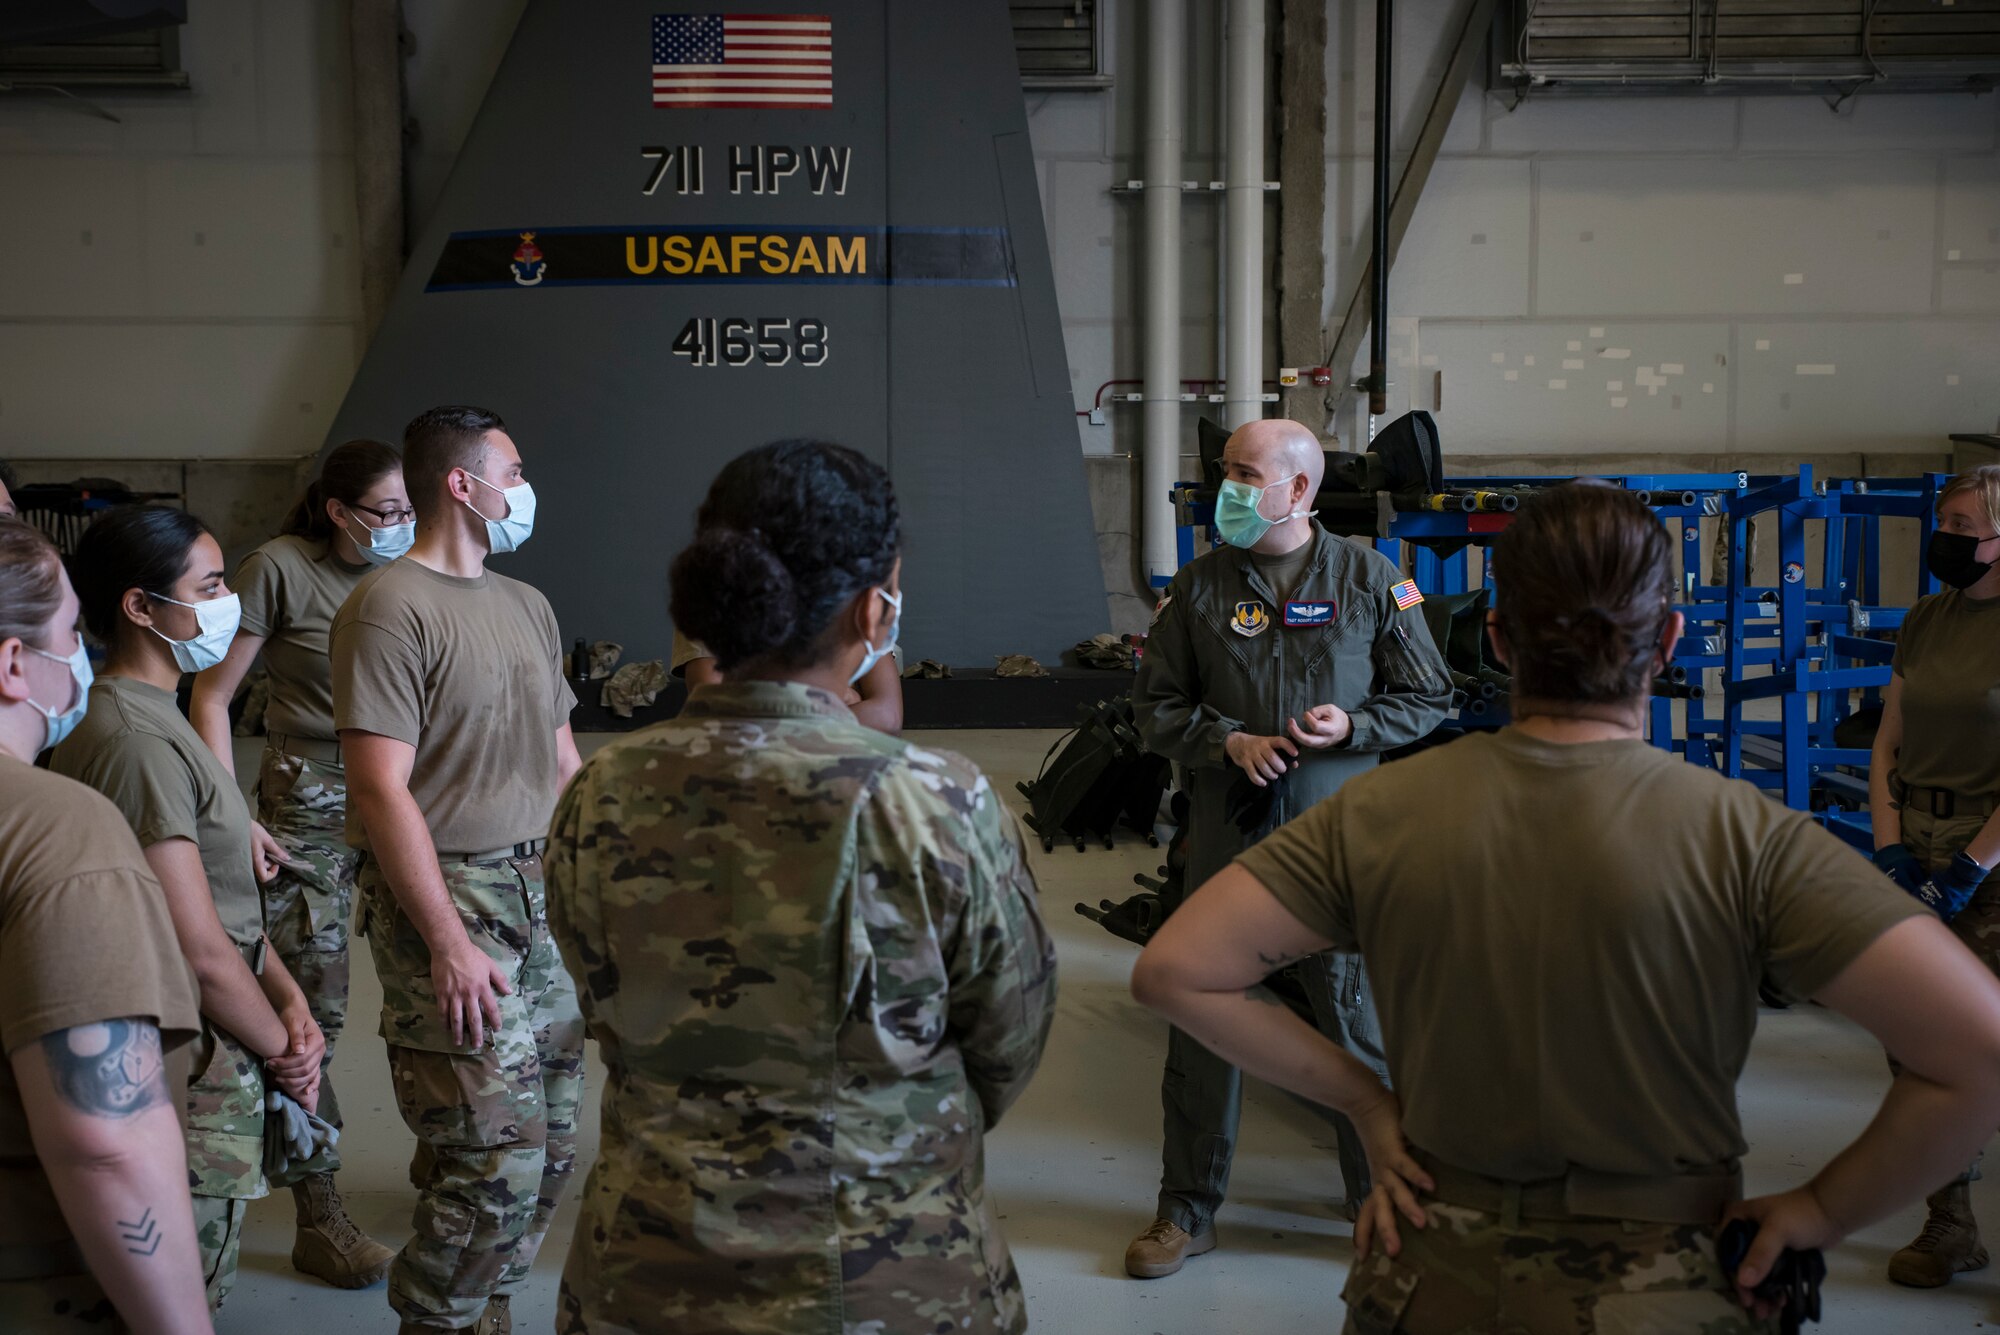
(1822,905)
(378,682)
(97,945)
(149,783)
(261,586)
(685,652)
(1304,867)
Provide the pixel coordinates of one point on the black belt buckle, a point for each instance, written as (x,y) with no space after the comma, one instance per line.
(1793,1282)
(1944,803)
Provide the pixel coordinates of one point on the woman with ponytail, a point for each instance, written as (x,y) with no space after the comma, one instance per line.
(810,952)
(355,517)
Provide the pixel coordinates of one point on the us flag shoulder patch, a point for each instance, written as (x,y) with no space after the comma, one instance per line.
(1406,595)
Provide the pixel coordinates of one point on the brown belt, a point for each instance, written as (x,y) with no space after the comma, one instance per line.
(306,748)
(1942,803)
(43,1261)
(1582,1193)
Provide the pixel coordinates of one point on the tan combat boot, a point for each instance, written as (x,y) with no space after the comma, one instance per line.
(331,1246)
(1163,1248)
(1949,1244)
(497,1319)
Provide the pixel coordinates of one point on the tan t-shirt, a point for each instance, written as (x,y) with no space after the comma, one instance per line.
(84,937)
(135,747)
(685,652)
(291,588)
(1566,942)
(470,672)
(1284,572)
(1949,659)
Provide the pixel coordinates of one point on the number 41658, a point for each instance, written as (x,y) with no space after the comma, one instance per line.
(774,341)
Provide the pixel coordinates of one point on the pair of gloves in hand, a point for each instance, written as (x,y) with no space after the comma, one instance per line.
(1945,892)
(296,1142)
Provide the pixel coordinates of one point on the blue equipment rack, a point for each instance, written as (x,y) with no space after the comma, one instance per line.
(1791,642)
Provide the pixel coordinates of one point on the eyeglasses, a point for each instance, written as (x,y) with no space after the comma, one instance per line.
(388,517)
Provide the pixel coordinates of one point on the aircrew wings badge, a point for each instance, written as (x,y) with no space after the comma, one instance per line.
(1406,595)
(1251,618)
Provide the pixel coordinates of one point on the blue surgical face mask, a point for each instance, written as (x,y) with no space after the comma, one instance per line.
(874,655)
(384,545)
(61,723)
(1238,516)
(506,535)
(216,620)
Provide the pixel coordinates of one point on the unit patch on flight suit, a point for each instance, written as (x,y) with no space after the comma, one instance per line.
(1307,615)
(1251,618)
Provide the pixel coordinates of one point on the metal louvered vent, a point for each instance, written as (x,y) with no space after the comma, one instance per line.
(1057,44)
(147,58)
(1610,46)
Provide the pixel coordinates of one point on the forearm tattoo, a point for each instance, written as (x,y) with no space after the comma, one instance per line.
(112,1068)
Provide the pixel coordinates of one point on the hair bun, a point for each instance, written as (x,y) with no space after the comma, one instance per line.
(732,593)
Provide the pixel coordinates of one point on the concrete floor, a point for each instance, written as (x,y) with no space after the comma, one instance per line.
(1075,1165)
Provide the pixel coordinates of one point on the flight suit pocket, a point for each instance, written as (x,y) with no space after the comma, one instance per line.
(1377,1293)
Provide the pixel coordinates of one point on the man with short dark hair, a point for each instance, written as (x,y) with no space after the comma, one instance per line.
(453,713)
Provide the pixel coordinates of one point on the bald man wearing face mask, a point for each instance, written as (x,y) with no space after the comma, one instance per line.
(1278,666)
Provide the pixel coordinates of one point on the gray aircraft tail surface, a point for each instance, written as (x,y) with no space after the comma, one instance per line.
(672,236)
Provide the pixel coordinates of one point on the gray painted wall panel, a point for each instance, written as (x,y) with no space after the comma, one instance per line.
(963,391)
(1735,234)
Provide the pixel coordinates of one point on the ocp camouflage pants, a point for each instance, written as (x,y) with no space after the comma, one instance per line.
(1936,842)
(307,908)
(499,1120)
(1466,1274)
(218,1227)
(58,1305)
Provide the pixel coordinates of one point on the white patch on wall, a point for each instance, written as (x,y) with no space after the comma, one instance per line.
(1794,279)
(1616,354)
(1576,345)
(1951,380)
(1614,386)
(1619,403)
(1528,360)
(1597,331)
(1572,363)
(1558,384)
(1815,368)
(1499,357)
(1763,345)
(1511,375)
(1672,368)
(1707,387)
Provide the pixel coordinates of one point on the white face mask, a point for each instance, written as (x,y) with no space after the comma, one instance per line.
(217,620)
(874,655)
(62,722)
(383,545)
(506,535)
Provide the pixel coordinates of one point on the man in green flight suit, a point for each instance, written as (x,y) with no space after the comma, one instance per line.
(1278,667)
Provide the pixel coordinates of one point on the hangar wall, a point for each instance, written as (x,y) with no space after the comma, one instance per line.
(138,256)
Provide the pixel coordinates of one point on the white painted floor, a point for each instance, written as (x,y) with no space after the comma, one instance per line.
(1075,1165)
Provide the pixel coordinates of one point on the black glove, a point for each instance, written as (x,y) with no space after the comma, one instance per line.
(1947,892)
(1900,865)
(1793,1282)
(1247,806)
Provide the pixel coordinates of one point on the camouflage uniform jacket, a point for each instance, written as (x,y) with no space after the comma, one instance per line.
(812,956)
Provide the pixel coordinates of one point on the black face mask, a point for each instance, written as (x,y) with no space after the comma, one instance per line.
(1951,558)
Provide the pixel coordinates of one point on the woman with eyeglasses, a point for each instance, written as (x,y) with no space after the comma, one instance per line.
(355,517)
